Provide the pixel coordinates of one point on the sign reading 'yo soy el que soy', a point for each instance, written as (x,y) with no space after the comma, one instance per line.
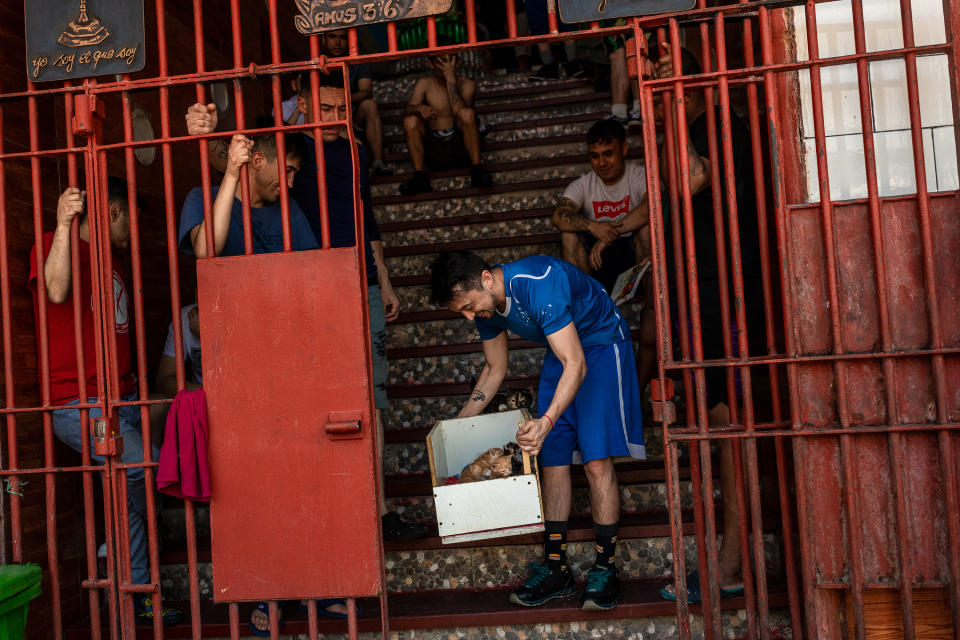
(317,16)
(83,38)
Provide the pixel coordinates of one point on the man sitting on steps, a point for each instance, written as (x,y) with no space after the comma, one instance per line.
(441,126)
(603,214)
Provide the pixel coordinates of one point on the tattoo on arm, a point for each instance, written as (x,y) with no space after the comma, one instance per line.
(569,212)
(456,98)
(478,396)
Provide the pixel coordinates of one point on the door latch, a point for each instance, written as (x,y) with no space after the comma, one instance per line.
(344,425)
(106,441)
(664,410)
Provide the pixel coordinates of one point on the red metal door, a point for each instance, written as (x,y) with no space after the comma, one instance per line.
(293,512)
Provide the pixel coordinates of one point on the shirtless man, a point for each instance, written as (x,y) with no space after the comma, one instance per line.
(441,126)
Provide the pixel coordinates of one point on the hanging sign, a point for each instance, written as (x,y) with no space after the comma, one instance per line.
(83,38)
(317,16)
(573,11)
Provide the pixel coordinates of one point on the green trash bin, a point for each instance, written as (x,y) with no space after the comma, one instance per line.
(19,584)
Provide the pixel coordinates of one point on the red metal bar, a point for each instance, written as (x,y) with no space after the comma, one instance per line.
(200,57)
(319,157)
(50,502)
(352,619)
(234,609)
(778,162)
(511,20)
(471,15)
(552,16)
(352,47)
(312,619)
(278,121)
(431,32)
(391,37)
(239,110)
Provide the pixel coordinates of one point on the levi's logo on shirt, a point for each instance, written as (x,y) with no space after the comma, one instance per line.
(608,209)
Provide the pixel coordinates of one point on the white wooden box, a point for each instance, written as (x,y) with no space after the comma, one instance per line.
(489,508)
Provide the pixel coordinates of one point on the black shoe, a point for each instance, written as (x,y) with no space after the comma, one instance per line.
(480,177)
(143,612)
(603,589)
(380,169)
(396,528)
(543,585)
(546,72)
(574,69)
(419,183)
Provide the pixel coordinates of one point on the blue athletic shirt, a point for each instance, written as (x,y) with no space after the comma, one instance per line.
(265,222)
(545,294)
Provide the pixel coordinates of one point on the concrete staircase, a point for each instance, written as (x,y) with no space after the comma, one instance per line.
(534,148)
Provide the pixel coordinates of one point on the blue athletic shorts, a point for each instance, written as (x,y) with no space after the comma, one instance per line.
(605,419)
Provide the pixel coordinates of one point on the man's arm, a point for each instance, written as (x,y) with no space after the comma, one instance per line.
(240,152)
(201,120)
(448,65)
(391,304)
(637,220)
(57,272)
(567,217)
(364,91)
(565,344)
(468,89)
(416,106)
(167,378)
(497,355)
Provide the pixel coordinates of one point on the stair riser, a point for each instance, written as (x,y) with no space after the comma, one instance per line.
(440,369)
(642,628)
(398,89)
(527,152)
(446,207)
(485,567)
(569,171)
(503,229)
(393,125)
(511,135)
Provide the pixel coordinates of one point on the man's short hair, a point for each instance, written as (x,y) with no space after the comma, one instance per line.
(605,131)
(267,143)
(334,80)
(453,273)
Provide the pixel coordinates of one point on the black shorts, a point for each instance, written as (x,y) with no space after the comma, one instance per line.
(617,258)
(447,152)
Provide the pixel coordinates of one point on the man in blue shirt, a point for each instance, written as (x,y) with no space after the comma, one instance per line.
(589,402)
(265,213)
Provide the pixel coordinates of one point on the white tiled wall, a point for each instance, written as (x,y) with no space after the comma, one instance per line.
(888,95)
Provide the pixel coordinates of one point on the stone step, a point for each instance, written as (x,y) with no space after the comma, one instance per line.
(587,110)
(488,615)
(392,94)
(525,135)
(435,369)
(506,198)
(502,250)
(504,174)
(492,154)
(473,227)
(468,568)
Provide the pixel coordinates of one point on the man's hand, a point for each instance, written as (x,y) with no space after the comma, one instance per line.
(427,112)
(201,119)
(69,205)
(391,304)
(663,67)
(239,154)
(596,254)
(448,65)
(531,434)
(605,231)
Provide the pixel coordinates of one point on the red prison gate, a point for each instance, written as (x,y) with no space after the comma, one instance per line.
(854,390)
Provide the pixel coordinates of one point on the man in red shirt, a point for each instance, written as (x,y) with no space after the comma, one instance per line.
(64,381)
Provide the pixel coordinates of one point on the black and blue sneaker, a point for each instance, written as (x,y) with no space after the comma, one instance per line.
(543,585)
(144,613)
(603,589)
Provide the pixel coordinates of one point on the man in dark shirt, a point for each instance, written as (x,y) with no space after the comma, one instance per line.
(708,281)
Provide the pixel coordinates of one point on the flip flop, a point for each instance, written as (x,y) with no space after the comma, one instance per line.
(324,604)
(694,594)
(265,608)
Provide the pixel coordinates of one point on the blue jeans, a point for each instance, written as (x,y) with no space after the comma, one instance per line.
(66,426)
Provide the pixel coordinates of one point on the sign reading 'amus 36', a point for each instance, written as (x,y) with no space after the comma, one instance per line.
(317,16)
(82,38)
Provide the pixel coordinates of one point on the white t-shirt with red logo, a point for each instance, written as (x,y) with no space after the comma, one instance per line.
(609,202)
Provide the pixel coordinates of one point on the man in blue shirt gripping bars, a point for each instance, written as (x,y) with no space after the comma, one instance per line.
(589,402)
